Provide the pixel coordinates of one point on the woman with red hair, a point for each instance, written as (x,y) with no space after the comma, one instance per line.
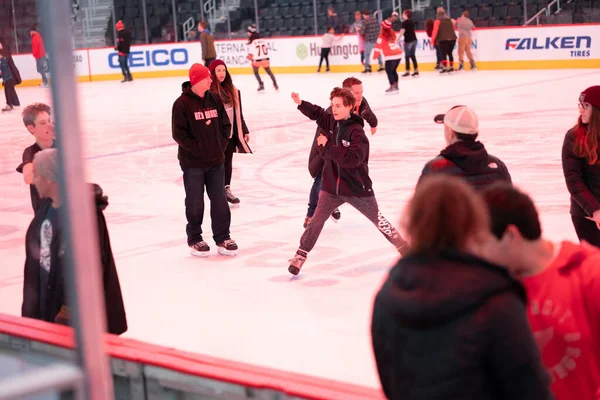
(581,167)
(386,44)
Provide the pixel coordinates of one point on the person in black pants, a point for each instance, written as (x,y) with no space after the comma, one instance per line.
(239,137)
(201,127)
(581,167)
(444,35)
(12,100)
(123,49)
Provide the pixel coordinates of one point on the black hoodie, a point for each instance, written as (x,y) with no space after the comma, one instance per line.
(55,293)
(315,161)
(470,160)
(455,327)
(200,127)
(346,154)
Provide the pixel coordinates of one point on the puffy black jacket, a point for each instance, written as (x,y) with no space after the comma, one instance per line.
(346,154)
(583,179)
(315,161)
(201,128)
(470,160)
(455,327)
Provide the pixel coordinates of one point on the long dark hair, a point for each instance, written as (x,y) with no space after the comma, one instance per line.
(588,137)
(225,90)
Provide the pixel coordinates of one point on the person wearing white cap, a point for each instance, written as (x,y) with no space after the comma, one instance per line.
(465,156)
(44,296)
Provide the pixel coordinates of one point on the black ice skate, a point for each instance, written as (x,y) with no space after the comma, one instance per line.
(230,197)
(200,249)
(416,73)
(227,247)
(336,215)
(404,75)
(275,86)
(297,262)
(461,66)
(473,67)
(7,108)
(261,87)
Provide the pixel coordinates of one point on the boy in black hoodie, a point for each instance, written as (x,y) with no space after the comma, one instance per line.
(464,156)
(345,150)
(201,128)
(316,162)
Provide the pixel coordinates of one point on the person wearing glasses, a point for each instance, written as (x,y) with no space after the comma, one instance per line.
(581,167)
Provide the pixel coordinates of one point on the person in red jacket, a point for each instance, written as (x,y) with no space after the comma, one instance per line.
(386,44)
(39,53)
(562,281)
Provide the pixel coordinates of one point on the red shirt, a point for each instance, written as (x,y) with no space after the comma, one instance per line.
(390,50)
(564,313)
(37,46)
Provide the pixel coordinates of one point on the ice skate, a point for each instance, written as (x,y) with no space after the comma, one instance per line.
(306,222)
(230,197)
(404,75)
(261,87)
(336,215)
(227,247)
(473,66)
(461,66)
(297,262)
(416,73)
(7,108)
(200,249)
(276,86)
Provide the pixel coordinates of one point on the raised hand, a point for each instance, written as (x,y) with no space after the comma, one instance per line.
(296,98)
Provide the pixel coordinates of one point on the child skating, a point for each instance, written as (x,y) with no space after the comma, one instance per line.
(345,149)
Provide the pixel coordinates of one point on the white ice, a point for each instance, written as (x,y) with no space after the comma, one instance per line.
(248,308)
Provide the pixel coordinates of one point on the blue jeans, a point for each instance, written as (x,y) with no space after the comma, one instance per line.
(123,63)
(41,65)
(368,50)
(194,181)
(410,50)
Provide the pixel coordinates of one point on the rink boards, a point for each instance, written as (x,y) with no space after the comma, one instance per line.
(536,47)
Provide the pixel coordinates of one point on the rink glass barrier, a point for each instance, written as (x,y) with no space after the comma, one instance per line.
(166,21)
(147,372)
(536,47)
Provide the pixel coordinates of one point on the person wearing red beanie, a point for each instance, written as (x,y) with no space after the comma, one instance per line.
(386,44)
(239,137)
(201,128)
(123,48)
(581,167)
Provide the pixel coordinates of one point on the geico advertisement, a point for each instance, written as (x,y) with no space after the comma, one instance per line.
(176,56)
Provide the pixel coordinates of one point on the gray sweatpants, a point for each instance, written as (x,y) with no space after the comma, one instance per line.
(366,205)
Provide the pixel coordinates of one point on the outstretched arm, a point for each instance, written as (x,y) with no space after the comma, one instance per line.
(323,119)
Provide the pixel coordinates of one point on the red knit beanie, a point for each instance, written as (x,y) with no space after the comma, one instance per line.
(198,72)
(386,24)
(213,65)
(591,95)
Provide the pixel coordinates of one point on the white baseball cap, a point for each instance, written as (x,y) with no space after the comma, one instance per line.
(461,119)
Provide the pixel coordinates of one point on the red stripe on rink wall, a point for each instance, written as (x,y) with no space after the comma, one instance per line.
(193,364)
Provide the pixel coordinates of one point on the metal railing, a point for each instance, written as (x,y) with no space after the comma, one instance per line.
(545,10)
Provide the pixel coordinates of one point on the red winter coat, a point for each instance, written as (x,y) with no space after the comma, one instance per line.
(390,50)
(37,46)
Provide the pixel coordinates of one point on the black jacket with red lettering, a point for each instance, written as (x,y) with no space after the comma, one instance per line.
(583,179)
(201,128)
(470,160)
(315,161)
(346,154)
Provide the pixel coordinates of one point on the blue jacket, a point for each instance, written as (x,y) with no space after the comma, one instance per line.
(5,70)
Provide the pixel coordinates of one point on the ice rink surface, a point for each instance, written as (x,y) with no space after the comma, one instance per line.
(248,308)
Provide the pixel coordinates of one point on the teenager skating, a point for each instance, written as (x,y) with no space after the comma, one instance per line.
(258,54)
(239,137)
(316,161)
(345,149)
